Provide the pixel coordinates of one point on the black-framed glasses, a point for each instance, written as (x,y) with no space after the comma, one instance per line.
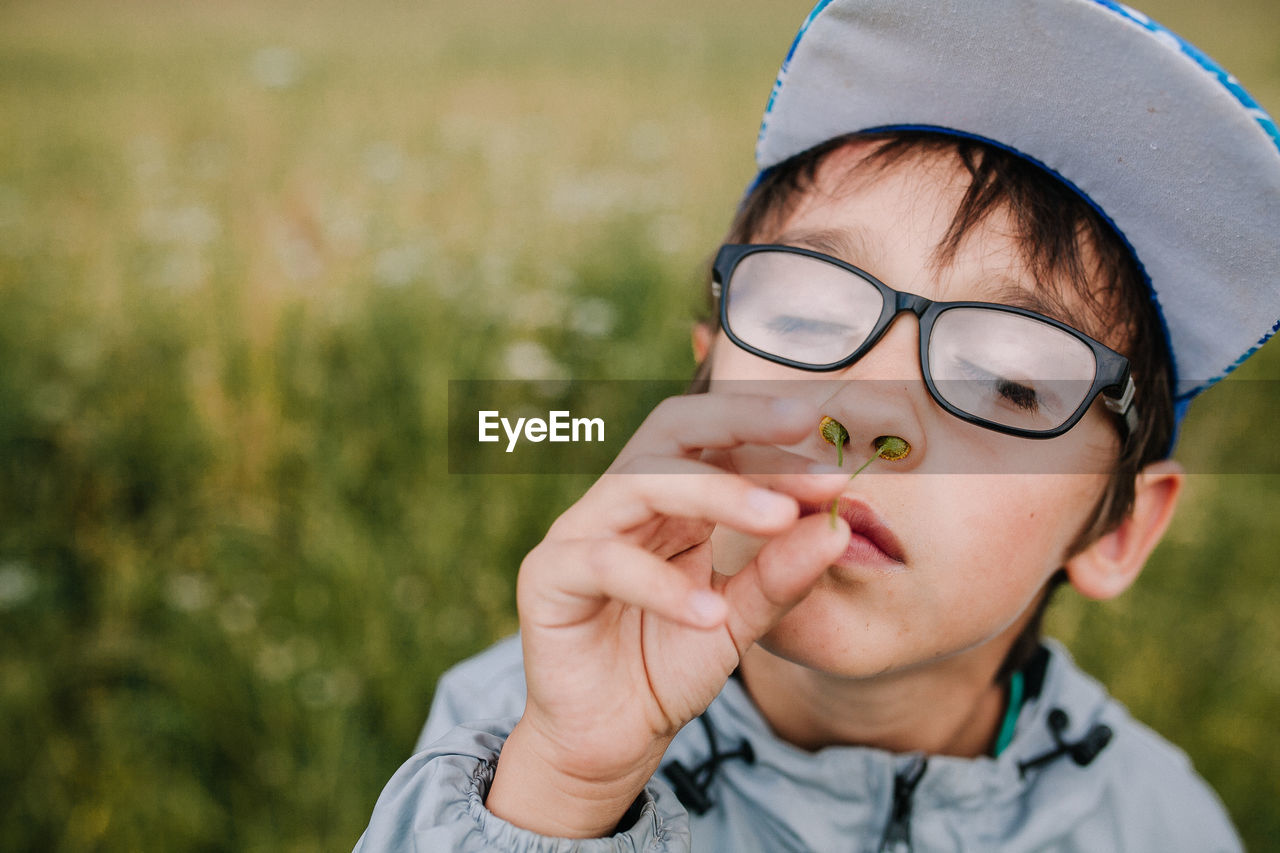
(997,366)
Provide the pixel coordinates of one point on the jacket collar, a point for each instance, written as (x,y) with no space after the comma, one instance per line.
(857,772)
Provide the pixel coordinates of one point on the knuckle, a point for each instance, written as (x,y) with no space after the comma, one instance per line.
(534,560)
(633,465)
(669,412)
(669,406)
(640,470)
(557,528)
(601,556)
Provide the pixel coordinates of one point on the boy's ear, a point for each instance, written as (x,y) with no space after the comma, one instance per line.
(1111,564)
(702,338)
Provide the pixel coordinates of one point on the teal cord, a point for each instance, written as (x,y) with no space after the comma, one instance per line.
(1010,713)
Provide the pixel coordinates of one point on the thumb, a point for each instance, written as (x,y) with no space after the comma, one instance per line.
(781,574)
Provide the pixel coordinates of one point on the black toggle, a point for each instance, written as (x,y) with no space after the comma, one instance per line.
(691,785)
(1082,752)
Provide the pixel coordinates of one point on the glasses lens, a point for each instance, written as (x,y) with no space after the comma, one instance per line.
(1009,369)
(800,308)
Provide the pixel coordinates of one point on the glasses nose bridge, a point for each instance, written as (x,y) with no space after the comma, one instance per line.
(903,301)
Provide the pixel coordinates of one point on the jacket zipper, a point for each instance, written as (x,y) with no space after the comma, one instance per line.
(897,834)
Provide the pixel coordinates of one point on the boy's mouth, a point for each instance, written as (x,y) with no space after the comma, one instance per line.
(869,533)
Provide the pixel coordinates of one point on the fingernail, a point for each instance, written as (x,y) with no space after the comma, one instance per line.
(821,468)
(767,503)
(707,608)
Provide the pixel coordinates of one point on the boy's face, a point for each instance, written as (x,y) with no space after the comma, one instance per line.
(976,549)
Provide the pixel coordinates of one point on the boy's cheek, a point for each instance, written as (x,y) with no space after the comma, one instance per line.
(1021,523)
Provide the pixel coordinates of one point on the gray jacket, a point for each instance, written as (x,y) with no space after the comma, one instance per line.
(1133,792)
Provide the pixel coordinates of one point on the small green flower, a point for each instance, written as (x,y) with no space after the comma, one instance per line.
(835,433)
(889,447)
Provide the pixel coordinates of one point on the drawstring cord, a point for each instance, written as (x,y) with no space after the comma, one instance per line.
(691,786)
(1082,752)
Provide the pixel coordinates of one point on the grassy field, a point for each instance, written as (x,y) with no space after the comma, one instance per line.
(243,248)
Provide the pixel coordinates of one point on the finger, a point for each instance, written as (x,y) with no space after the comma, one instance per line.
(781,574)
(782,471)
(573,578)
(683,425)
(667,537)
(683,488)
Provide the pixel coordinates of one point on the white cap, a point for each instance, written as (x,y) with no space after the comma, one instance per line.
(1163,142)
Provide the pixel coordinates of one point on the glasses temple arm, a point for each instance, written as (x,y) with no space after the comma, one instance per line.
(1123,405)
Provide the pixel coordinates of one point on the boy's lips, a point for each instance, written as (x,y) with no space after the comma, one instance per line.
(871,538)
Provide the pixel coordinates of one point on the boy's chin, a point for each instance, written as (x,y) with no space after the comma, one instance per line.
(838,642)
(845,651)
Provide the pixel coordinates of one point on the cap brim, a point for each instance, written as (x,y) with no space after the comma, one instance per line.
(1163,142)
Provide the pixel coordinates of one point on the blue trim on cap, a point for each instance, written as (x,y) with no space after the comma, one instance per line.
(1275,327)
(1227,80)
(786,64)
(1180,406)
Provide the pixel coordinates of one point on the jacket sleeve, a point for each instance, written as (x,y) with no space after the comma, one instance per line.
(435,802)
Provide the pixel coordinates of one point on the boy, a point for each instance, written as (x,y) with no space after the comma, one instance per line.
(877,681)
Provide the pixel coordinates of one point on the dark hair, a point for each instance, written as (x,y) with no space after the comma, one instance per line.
(1063,238)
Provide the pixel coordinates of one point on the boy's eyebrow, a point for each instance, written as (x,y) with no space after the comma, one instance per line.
(1015,294)
(850,246)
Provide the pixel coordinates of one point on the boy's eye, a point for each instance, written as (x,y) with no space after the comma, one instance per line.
(1009,391)
(1019,395)
(786,324)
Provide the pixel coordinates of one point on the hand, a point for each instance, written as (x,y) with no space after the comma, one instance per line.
(628,632)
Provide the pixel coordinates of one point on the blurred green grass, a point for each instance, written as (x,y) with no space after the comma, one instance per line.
(244,247)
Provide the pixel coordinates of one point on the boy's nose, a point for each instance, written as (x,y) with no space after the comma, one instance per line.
(883,393)
(896,356)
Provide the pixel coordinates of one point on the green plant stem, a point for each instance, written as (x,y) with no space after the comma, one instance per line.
(836,502)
